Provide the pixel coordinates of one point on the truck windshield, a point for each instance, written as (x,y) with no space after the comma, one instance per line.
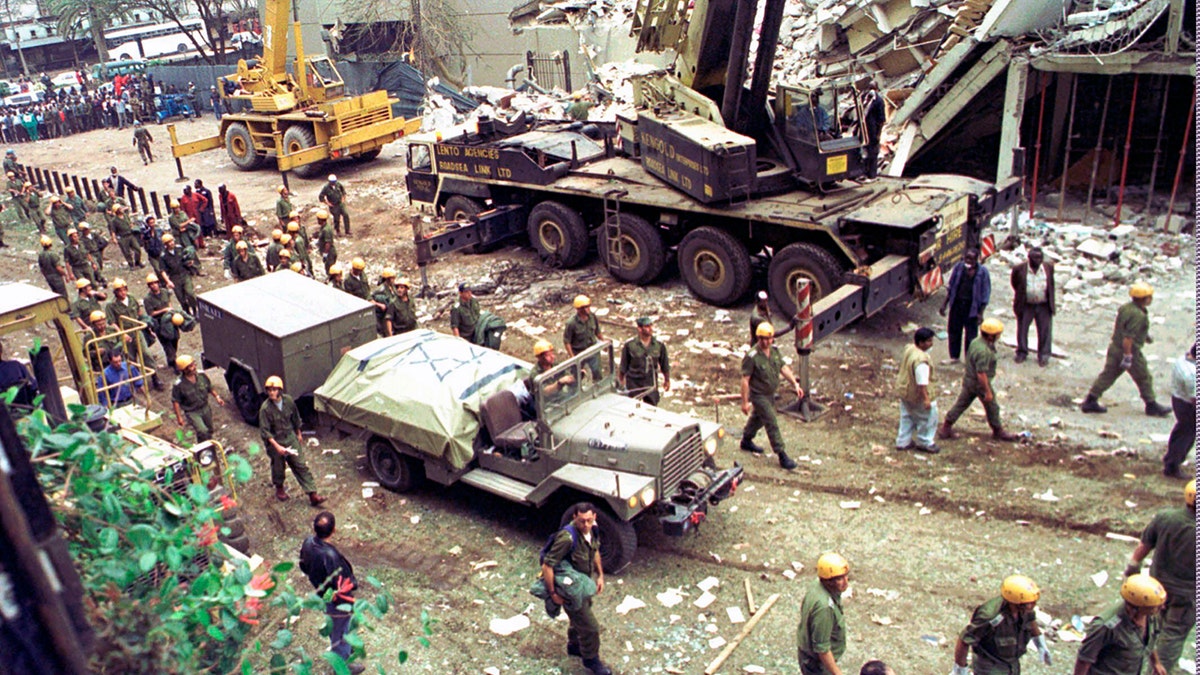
(582,377)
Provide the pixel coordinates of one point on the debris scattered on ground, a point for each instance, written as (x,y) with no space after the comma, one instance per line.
(629,604)
(506,627)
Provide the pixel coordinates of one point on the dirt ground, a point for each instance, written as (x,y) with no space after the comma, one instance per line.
(928,537)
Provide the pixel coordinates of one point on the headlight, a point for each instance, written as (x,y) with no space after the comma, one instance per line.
(206,457)
(647,496)
(710,445)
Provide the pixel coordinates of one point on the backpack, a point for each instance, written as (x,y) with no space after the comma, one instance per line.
(550,542)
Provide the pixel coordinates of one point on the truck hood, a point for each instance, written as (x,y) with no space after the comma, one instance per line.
(616,424)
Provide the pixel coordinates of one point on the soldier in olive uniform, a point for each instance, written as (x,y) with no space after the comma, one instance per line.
(180,266)
(88,302)
(75,204)
(16,193)
(11,165)
(978,375)
(761,369)
(273,249)
(283,206)
(53,268)
(105,340)
(381,297)
(578,545)
(33,206)
(189,396)
(333,196)
(334,277)
(1000,631)
(245,266)
(78,258)
(1130,335)
(185,230)
(279,424)
(325,242)
(401,315)
(1172,535)
(95,250)
(157,304)
(465,314)
(230,251)
(126,237)
(583,331)
(60,217)
(356,284)
(641,359)
(300,243)
(1123,640)
(821,631)
(142,141)
(121,312)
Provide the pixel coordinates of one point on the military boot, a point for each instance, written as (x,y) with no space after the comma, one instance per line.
(786,463)
(1154,409)
(1092,405)
(947,432)
(315,499)
(281,493)
(1000,434)
(597,666)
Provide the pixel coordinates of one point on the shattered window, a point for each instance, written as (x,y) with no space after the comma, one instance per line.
(418,157)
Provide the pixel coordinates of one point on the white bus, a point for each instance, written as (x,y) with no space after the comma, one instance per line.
(155,41)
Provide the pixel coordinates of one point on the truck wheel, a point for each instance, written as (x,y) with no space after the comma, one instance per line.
(801,261)
(368,155)
(618,540)
(393,470)
(558,232)
(237,528)
(240,147)
(245,396)
(715,265)
(642,254)
(460,209)
(299,137)
(240,544)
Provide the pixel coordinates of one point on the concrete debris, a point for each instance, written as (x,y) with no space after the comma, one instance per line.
(735,615)
(628,604)
(670,597)
(705,600)
(506,627)
(1100,578)
(1047,496)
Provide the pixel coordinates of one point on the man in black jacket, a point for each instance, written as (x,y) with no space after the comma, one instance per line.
(333,578)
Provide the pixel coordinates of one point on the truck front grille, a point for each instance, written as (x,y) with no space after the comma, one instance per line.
(680,460)
(180,479)
(365,118)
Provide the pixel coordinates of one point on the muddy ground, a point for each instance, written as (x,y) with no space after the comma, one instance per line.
(928,537)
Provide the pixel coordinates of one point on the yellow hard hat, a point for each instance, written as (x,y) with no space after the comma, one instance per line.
(174,203)
(322,215)
(241,246)
(358,264)
(69,189)
(281,189)
(177,319)
(293,226)
(285,254)
(168,237)
(387,273)
(403,281)
(277,234)
(831,566)
(273,382)
(119,283)
(27,184)
(72,231)
(1019,589)
(335,270)
(541,347)
(285,239)
(294,214)
(1143,590)
(1189,492)
(1141,290)
(82,283)
(297,267)
(47,242)
(237,229)
(85,225)
(582,301)
(765,329)
(991,327)
(95,316)
(55,198)
(152,278)
(186,360)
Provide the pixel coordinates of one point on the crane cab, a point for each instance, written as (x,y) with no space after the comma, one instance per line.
(821,125)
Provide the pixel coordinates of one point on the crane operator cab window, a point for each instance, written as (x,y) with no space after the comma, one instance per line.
(820,128)
(323,76)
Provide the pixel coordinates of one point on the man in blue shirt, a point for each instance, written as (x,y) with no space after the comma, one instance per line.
(123,380)
(968,293)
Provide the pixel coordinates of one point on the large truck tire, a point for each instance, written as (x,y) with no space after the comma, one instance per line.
(393,470)
(798,261)
(557,232)
(715,266)
(618,539)
(240,147)
(642,255)
(300,137)
(460,208)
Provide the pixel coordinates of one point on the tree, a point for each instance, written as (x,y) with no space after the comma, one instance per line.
(143,555)
(73,14)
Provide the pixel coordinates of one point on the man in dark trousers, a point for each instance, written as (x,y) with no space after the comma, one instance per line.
(967,296)
(333,578)
(1131,334)
(1033,303)
(873,119)
(579,546)
(1183,402)
(208,215)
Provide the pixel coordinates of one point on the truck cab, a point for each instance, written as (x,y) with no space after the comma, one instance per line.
(821,125)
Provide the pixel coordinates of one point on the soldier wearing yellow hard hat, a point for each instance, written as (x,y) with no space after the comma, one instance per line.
(1124,638)
(283,206)
(979,374)
(325,243)
(356,283)
(401,315)
(821,632)
(1171,534)
(1000,631)
(89,301)
(1131,332)
(543,354)
(273,249)
(246,264)
(279,425)
(189,397)
(762,367)
(52,267)
(236,235)
(583,331)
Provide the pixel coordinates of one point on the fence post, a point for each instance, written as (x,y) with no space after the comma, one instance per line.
(75,182)
(87,190)
(58,183)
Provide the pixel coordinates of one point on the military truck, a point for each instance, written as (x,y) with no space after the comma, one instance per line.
(431,406)
(283,324)
(45,314)
(724,177)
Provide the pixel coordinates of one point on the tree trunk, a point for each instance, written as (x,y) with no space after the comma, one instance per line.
(96,26)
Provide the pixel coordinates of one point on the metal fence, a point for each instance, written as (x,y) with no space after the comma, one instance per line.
(142,202)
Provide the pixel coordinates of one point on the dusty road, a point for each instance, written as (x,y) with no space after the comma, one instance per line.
(930,537)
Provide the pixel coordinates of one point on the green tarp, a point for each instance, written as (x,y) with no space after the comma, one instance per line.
(421,388)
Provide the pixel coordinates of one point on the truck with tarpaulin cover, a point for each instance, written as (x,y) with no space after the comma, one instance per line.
(483,418)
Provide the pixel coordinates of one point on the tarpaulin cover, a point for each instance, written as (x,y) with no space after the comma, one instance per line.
(422,388)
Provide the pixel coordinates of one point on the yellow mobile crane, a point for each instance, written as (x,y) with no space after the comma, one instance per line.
(303,118)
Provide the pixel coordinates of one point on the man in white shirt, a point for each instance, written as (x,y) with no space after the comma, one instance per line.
(918,410)
(1033,303)
(1183,403)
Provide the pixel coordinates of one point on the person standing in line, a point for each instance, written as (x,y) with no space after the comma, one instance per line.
(967,296)
(1033,303)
